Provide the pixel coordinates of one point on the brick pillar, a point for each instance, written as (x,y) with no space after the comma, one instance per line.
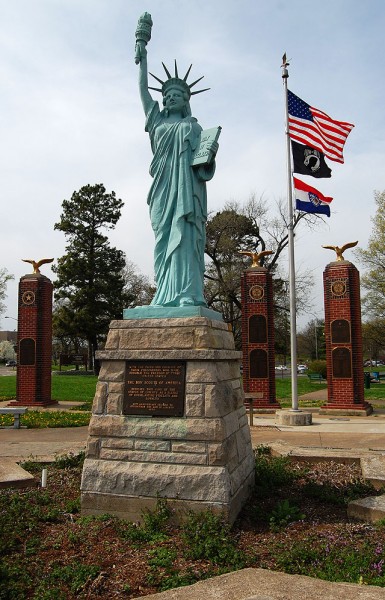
(343,337)
(258,339)
(34,340)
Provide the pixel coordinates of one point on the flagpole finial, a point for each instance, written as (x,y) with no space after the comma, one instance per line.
(285,64)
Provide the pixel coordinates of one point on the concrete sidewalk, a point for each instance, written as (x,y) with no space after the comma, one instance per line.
(41,445)
(326,432)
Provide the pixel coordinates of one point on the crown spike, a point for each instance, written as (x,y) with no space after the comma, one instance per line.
(176,81)
(167,71)
(200,91)
(157,78)
(195,82)
(187,74)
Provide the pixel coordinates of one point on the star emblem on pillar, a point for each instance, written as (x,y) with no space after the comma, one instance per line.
(28,298)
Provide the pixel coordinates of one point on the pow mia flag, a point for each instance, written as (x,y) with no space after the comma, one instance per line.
(309,161)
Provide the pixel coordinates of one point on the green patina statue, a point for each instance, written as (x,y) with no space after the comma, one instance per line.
(183,160)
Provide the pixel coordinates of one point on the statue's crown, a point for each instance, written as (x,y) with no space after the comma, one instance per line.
(176,81)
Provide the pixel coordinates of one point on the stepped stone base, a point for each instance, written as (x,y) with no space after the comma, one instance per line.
(202,459)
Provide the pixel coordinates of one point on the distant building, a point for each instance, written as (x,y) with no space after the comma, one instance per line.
(8,336)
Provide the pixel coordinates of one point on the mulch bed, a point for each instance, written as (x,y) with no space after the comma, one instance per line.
(53,554)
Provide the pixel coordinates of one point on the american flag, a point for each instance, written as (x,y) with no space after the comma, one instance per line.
(316,129)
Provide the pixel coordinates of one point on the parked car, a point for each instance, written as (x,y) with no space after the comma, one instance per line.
(10,363)
(281,368)
(301,369)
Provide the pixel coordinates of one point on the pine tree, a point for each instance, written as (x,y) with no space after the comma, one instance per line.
(90,274)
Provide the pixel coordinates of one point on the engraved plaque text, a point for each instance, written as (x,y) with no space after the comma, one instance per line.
(154,388)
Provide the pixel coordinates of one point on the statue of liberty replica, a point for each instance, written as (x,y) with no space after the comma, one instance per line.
(168,417)
(177,199)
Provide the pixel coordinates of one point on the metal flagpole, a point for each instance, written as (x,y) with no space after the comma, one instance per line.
(290,228)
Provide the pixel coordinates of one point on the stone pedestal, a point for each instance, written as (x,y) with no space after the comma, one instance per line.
(294,417)
(343,338)
(34,340)
(200,456)
(258,339)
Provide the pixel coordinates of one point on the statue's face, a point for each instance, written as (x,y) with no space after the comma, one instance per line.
(174,100)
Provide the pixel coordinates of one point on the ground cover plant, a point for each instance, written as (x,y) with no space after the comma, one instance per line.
(295,522)
(38,419)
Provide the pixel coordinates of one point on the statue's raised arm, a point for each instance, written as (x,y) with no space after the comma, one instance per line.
(183,161)
(143,36)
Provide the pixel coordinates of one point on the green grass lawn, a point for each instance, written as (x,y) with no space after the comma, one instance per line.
(75,388)
(81,388)
(305,386)
(375,395)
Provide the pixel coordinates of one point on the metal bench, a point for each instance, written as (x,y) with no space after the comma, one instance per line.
(315,377)
(376,376)
(16,412)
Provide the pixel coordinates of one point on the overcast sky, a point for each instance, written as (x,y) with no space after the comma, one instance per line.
(70,112)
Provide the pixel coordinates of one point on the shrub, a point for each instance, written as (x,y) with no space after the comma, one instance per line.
(272,472)
(318,366)
(155,525)
(283,514)
(207,537)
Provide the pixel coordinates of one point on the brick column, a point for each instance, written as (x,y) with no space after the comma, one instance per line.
(34,340)
(343,337)
(258,339)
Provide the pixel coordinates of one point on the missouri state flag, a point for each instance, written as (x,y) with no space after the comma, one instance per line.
(313,127)
(310,200)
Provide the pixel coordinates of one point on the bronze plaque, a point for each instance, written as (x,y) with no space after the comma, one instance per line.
(257,329)
(27,352)
(340,330)
(342,364)
(258,364)
(154,388)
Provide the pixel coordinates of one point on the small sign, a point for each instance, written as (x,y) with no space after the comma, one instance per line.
(154,388)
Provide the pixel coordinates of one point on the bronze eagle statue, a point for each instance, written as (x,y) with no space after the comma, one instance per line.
(38,263)
(340,250)
(256,256)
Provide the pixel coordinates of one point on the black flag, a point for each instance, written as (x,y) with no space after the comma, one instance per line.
(309,161)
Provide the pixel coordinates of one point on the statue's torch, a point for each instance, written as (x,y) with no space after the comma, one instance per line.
(142,33)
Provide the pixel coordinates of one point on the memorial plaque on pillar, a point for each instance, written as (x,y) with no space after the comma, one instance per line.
(340,331)
(154,388)
(258,364)
(257,329)
(27,352)
(342,363)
